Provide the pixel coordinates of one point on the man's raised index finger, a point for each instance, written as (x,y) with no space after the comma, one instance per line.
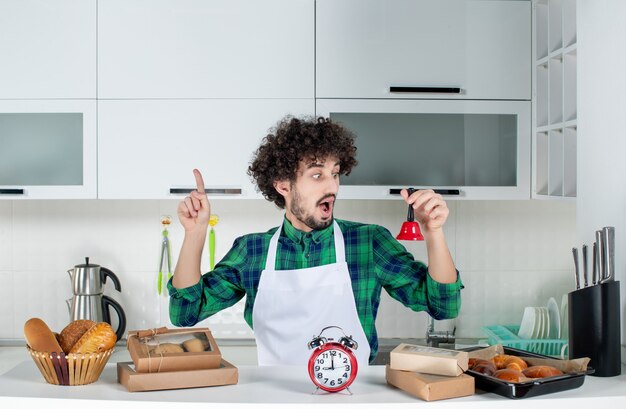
(199,180)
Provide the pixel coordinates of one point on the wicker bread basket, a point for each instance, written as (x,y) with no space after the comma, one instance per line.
(71,369)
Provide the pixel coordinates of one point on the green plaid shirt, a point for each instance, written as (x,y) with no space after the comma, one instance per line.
(375,260)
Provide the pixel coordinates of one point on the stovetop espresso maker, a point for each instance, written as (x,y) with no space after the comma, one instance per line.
(89,302)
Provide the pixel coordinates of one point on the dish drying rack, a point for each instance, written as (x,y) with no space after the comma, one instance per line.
(506,335)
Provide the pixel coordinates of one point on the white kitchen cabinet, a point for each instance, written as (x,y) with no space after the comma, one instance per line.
(478,150)
(47,49)
(147,149)
(365,47)
(205,49)
(554,99)
(48,149)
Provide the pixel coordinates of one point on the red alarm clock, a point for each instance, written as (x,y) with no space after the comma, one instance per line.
(332,365)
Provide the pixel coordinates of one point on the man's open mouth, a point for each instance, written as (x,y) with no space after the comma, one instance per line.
(326,206)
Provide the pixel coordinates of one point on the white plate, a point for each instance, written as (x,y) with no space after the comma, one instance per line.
(564,315)
(544,325)
(555,319)
(538,329)
(527,325)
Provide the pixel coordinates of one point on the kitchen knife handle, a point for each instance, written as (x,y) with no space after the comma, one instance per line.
(209,191)
(594,265)
(608,236)
(585,275)
(577,275)
(11,191)
(427,90)
(600,245)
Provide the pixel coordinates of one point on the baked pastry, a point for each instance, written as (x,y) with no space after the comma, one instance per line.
(98,338)
(73,332)
(541,371)
(39,336)
(515,362)
(167,348)
(194,345)
(509,361)
(508,375)
(485,367)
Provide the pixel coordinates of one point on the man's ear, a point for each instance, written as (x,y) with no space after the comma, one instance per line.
(283,187)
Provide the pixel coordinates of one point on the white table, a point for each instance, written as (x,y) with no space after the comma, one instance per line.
(287,387)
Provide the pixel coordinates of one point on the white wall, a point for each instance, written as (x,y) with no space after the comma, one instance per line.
(510,254)
(602,128)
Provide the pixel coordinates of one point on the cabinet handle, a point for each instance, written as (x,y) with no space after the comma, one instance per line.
(430,90)
(208,190)
(11,191)
(451,192)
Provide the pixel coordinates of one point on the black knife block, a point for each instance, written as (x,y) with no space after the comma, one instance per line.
(594,327)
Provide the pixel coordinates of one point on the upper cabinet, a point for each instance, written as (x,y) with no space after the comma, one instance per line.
(47,49)
(48,149)
(147,149)
(450,49)
(205,49)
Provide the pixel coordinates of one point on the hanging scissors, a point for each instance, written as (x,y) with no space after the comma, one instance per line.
(165,255)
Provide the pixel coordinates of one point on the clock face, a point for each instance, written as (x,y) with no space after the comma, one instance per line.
(332,367)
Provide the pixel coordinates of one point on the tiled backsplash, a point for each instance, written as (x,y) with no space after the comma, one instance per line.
(510,254)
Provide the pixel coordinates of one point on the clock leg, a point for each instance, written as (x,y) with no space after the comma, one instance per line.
(315,391)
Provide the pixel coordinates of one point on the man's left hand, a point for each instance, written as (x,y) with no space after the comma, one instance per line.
(431,211)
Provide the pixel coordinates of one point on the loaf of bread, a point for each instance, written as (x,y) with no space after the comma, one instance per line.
(73,332)
(541,371)
(98,338)
(508,375)
(39,337)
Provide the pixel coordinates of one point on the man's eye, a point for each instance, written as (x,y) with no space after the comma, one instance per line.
(336,175)
(317,176)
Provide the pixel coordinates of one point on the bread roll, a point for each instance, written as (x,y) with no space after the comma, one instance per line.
(508,375)
(509,361)
(194,345)
(487,368)
(541,371)
(166,348)
(73,332)
(515,362)
(98,338)
(39,337)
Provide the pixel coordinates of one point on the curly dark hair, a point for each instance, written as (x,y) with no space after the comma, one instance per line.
(295,139)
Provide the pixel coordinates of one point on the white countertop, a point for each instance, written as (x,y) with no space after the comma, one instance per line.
(268,387)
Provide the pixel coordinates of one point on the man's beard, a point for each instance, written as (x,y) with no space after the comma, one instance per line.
(308,219)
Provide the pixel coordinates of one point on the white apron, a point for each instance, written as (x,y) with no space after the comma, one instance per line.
(292,306)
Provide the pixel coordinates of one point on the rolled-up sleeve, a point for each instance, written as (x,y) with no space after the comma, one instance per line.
(408,281)
(216,290)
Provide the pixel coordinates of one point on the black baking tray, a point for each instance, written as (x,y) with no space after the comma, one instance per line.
(530,388)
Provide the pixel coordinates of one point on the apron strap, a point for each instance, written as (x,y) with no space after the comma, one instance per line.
(340,248)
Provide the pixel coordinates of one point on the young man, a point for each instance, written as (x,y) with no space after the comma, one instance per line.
(312,271)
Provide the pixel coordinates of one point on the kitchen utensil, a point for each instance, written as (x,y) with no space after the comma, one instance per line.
(88,279)
(585,276)
(89,301)
(600,245)
(96,308)
(213,220)
(165,264)
(608,236)
(577,275)
(410,228)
